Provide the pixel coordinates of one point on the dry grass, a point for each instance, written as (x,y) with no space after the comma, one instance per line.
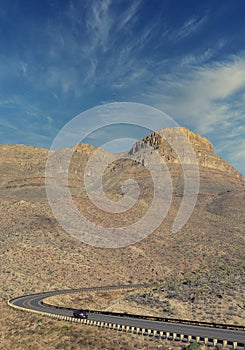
(38,255)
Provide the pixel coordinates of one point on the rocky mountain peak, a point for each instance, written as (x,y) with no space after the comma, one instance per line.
(203,148)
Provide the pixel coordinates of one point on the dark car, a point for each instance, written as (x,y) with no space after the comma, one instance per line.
(80,314)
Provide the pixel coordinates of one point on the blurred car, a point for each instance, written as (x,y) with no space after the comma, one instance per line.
(80,314)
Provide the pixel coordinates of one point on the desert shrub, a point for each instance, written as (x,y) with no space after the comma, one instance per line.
(193,346)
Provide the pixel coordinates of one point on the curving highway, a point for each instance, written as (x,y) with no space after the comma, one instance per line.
(186,332)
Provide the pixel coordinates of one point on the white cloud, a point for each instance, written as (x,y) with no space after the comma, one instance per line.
(222,80)
(129,14)
(191,26)
(201,94)
(99,24)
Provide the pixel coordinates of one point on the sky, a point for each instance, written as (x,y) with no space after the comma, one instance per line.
(186,58)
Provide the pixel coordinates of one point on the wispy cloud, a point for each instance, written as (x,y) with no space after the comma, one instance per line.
(191,26)
(234,150)
(99,24)
(39,127)
(200,92)
(129,14)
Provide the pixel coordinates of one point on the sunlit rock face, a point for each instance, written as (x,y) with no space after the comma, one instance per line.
(206,158)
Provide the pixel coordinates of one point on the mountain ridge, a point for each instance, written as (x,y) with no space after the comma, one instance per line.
(204,150)
(199,269)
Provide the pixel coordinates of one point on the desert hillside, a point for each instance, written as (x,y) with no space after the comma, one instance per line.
(198,271)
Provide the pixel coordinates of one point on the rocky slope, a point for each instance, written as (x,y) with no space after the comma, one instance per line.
(203,148)
(203,264)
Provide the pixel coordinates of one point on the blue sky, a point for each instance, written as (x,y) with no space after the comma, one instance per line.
(187,58)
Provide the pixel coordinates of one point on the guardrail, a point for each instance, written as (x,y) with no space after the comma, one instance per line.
(153,318)
(188,338)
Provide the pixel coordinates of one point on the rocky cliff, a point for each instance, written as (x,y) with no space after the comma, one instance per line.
(25,163)
(203,148)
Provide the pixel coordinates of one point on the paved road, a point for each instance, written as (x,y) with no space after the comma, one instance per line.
(34,302)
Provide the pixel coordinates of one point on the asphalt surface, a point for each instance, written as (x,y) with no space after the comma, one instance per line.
(34,302)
